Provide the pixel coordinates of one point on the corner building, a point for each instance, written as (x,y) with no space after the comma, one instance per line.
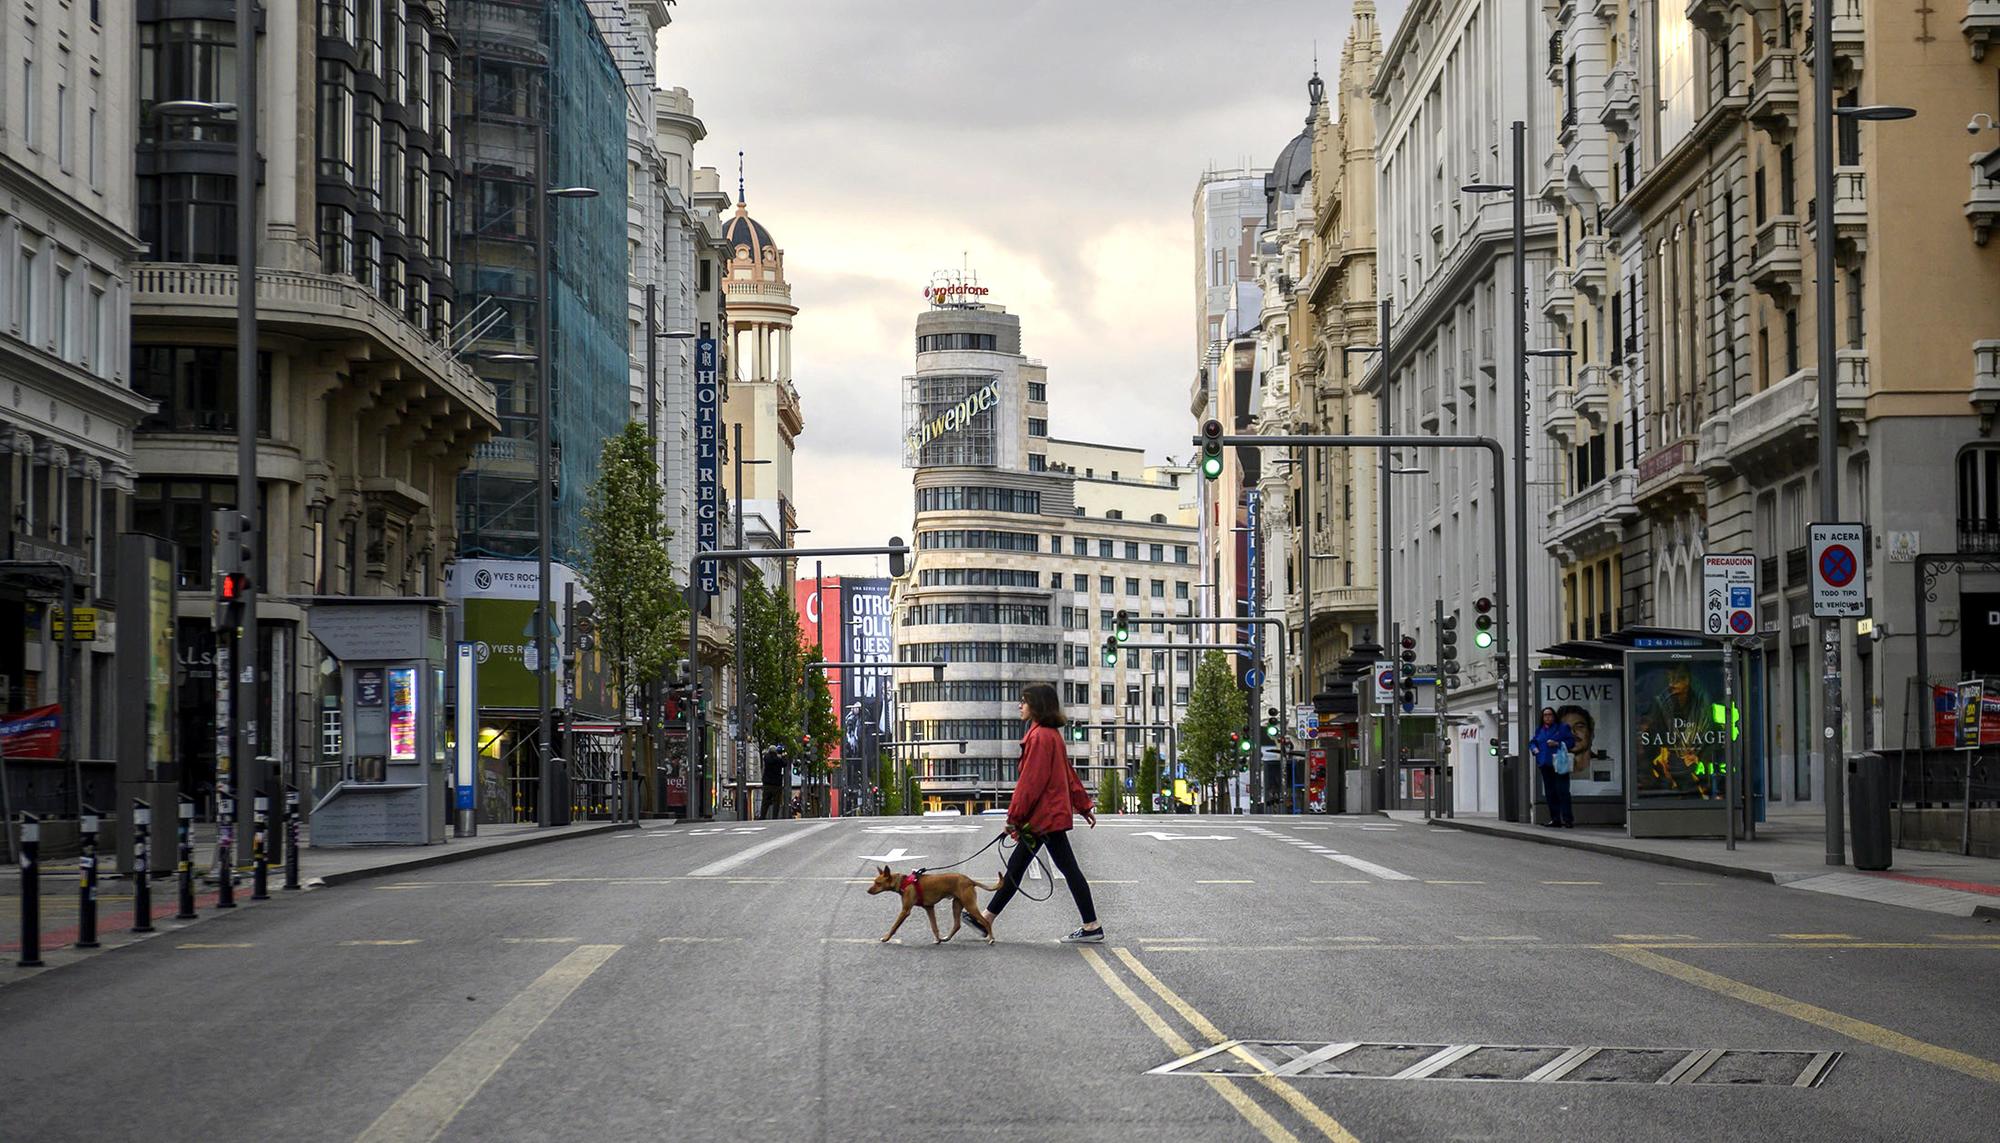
(1026,547)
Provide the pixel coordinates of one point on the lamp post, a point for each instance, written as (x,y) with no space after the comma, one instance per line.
(544,490)
(1834,760)
(1385,580)
(736,622)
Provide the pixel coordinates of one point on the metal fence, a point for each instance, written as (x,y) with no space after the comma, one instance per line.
(1948,800)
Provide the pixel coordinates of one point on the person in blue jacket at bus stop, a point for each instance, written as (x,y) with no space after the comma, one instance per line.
(1553,746)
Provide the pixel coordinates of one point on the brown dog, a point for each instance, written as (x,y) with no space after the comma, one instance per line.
(930,891)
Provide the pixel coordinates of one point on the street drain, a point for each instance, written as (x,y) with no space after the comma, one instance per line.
(1506,1063)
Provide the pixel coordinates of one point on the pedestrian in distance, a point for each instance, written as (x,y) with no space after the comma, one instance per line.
(1554,747)
(774,782)
(1048,797)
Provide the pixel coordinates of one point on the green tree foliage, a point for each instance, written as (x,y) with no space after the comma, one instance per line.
(1215,708)
(820,720)
(639,610)
(773,659)
(1111,793)
(887,779)
(1149,779)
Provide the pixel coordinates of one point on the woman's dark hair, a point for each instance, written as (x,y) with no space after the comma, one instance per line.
(1547,710)
(1044,708)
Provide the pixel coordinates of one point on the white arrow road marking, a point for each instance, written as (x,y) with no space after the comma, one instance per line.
(760,849)
(1369,867)
(1186,836)
(896,854)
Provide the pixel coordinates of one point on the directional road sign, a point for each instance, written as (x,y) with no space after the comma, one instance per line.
(1728,595)
(1839,570)
(1253,678)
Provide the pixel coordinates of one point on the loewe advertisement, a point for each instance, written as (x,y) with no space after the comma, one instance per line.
(1592,703)
(1680,727)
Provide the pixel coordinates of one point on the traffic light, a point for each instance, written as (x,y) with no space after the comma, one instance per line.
(1076,731)
(1406,672)
(1448,651)
(898,557)
(1211,449)
(1121,627)
(1271,727)
(1242,743)
(1482,623)
(1493,747)
(234,556)
(1111,651)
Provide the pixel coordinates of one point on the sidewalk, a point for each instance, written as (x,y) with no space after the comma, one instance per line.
(1790,850)
(318,868)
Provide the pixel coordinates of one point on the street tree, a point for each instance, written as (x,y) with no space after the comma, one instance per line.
(1214,709)
(639,610)
(1111,792)
(822,727)
(773,660)
(1149,779)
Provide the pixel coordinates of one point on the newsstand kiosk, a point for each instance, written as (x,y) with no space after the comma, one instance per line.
(390,655)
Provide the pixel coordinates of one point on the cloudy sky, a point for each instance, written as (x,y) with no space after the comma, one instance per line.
(1051,145)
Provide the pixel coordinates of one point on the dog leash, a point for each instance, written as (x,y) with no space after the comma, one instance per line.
(1001,841)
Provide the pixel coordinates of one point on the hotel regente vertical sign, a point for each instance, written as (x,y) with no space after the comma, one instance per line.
(707,472)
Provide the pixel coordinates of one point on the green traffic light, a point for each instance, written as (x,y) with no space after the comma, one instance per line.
(1242,746)
(1211,465)
(1483,639)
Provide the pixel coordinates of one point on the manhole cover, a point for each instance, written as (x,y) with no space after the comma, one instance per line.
(1514,1063)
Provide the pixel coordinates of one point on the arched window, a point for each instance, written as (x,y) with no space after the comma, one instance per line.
(1159,518)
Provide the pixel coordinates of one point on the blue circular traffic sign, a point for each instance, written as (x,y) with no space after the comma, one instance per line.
(1837,565)
(1254,677)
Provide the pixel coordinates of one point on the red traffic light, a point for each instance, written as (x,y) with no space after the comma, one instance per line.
(234,586)
(1409,642)
(1482,605)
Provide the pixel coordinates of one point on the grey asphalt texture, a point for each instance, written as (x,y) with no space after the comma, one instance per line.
(748,998)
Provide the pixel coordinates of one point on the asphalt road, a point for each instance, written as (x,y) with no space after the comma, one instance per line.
(727,982)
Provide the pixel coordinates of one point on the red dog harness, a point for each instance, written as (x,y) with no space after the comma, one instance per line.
(910,881)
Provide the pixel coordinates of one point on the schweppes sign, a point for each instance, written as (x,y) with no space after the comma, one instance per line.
(956,417)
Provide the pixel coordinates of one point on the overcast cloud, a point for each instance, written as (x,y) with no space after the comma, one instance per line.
(1052,146)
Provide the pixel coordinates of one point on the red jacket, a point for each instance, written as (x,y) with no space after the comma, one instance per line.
(1048,791)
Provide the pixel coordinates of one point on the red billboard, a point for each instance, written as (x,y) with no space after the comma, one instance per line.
(819,624)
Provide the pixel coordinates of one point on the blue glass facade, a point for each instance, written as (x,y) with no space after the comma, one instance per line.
(528,70)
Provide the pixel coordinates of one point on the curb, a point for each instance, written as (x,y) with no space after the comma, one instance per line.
(446,855)
(1675,860)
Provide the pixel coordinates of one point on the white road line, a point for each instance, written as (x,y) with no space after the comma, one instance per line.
(760,849)
(424,1111)
(1369,867)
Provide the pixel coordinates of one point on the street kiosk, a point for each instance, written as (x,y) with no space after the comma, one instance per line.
(390,656)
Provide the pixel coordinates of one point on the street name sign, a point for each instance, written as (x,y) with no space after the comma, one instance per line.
(1839,570)
(1728,595)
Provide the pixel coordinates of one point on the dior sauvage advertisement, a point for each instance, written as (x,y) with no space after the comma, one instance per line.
(1680,727)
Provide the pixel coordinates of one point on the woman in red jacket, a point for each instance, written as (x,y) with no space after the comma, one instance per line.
(1046,794)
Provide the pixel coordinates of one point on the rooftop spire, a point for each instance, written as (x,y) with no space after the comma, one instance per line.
(739,178)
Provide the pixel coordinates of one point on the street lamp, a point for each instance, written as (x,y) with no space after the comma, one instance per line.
(1517,188)
(544,492)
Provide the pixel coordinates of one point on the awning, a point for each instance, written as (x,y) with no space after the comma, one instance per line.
(1613,647)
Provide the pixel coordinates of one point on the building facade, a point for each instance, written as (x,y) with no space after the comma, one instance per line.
(68,410)
(1025,547)
(1454,77)
(762,397)
(367,416)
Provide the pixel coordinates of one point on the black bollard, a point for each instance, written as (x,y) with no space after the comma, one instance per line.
(260,853)
(185,868)
(225,846)
(291,837)
(31,892)
(86,891)
(142,866)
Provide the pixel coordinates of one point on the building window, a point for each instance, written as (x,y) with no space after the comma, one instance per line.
(195,388)
(189,218)
(1131,550)
(1105,550)
(1180,553)
(1131,585)
(1038,391)
(336,240)
(1106,585)
(980,538)
(1156,553)
(933,342)
(1037,462)
(978,499)
(1038,427)
(183,511)
(1979,499)
(1158,588)
(1180,589)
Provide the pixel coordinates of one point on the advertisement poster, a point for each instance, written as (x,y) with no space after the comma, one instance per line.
(1947,717)
(820,625)
(497,600)
(866,636)
(403,714)
(34,733)
(160,660)
(1592,703)
(1680,727)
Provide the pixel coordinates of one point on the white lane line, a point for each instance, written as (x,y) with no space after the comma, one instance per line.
(1369,867)
(424,1111)
(760,849)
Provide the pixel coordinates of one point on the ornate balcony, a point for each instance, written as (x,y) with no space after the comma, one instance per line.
(1487,364)
(1559,419)
(1621,97)
(1985,395)
(1850,208)
(1668,473)
(1595,517)
(1981,25)
(1849,32)
(1557,298)
(1779,428)
(1593,393)
(1774,94)
(1774,262)
(1587,274)
(1982,209)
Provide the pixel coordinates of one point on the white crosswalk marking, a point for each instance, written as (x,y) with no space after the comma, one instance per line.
(1369,867)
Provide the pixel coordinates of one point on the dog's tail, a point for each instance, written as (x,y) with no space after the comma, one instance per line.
(993,888)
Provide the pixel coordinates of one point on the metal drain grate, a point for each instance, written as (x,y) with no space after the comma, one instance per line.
(1507,1063)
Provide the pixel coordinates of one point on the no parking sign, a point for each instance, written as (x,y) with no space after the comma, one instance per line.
(1839,570)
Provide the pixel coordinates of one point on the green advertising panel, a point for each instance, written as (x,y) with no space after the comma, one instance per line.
(500,631)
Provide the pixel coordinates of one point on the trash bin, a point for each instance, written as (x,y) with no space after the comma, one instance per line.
(1868,810)
(1510,789)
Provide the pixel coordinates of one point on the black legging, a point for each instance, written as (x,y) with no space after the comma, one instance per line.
(1017,867)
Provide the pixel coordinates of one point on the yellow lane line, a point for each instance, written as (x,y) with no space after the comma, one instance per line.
(1480,945)
(428,1107)
(1815,936)
(1245,1106)
(1306,1108)
(372,943)
(1847,1026)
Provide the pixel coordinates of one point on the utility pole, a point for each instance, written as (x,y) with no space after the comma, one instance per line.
(1833,756)
(244,744)
(1392,730)
(736,575)
(1519,633)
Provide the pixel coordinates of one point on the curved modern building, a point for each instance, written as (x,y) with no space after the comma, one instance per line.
(1026,546)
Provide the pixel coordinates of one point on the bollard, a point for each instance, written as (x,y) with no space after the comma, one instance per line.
(86,890)
(185,868)
(225,846)
(291,837)
(260,854)
(142,867)
(31,892)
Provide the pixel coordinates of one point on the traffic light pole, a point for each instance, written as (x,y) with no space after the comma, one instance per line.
(1501,568)
(1392,739)
(1283,680)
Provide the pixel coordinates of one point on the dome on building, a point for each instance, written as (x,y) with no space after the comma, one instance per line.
(743,231)
(1294,165)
